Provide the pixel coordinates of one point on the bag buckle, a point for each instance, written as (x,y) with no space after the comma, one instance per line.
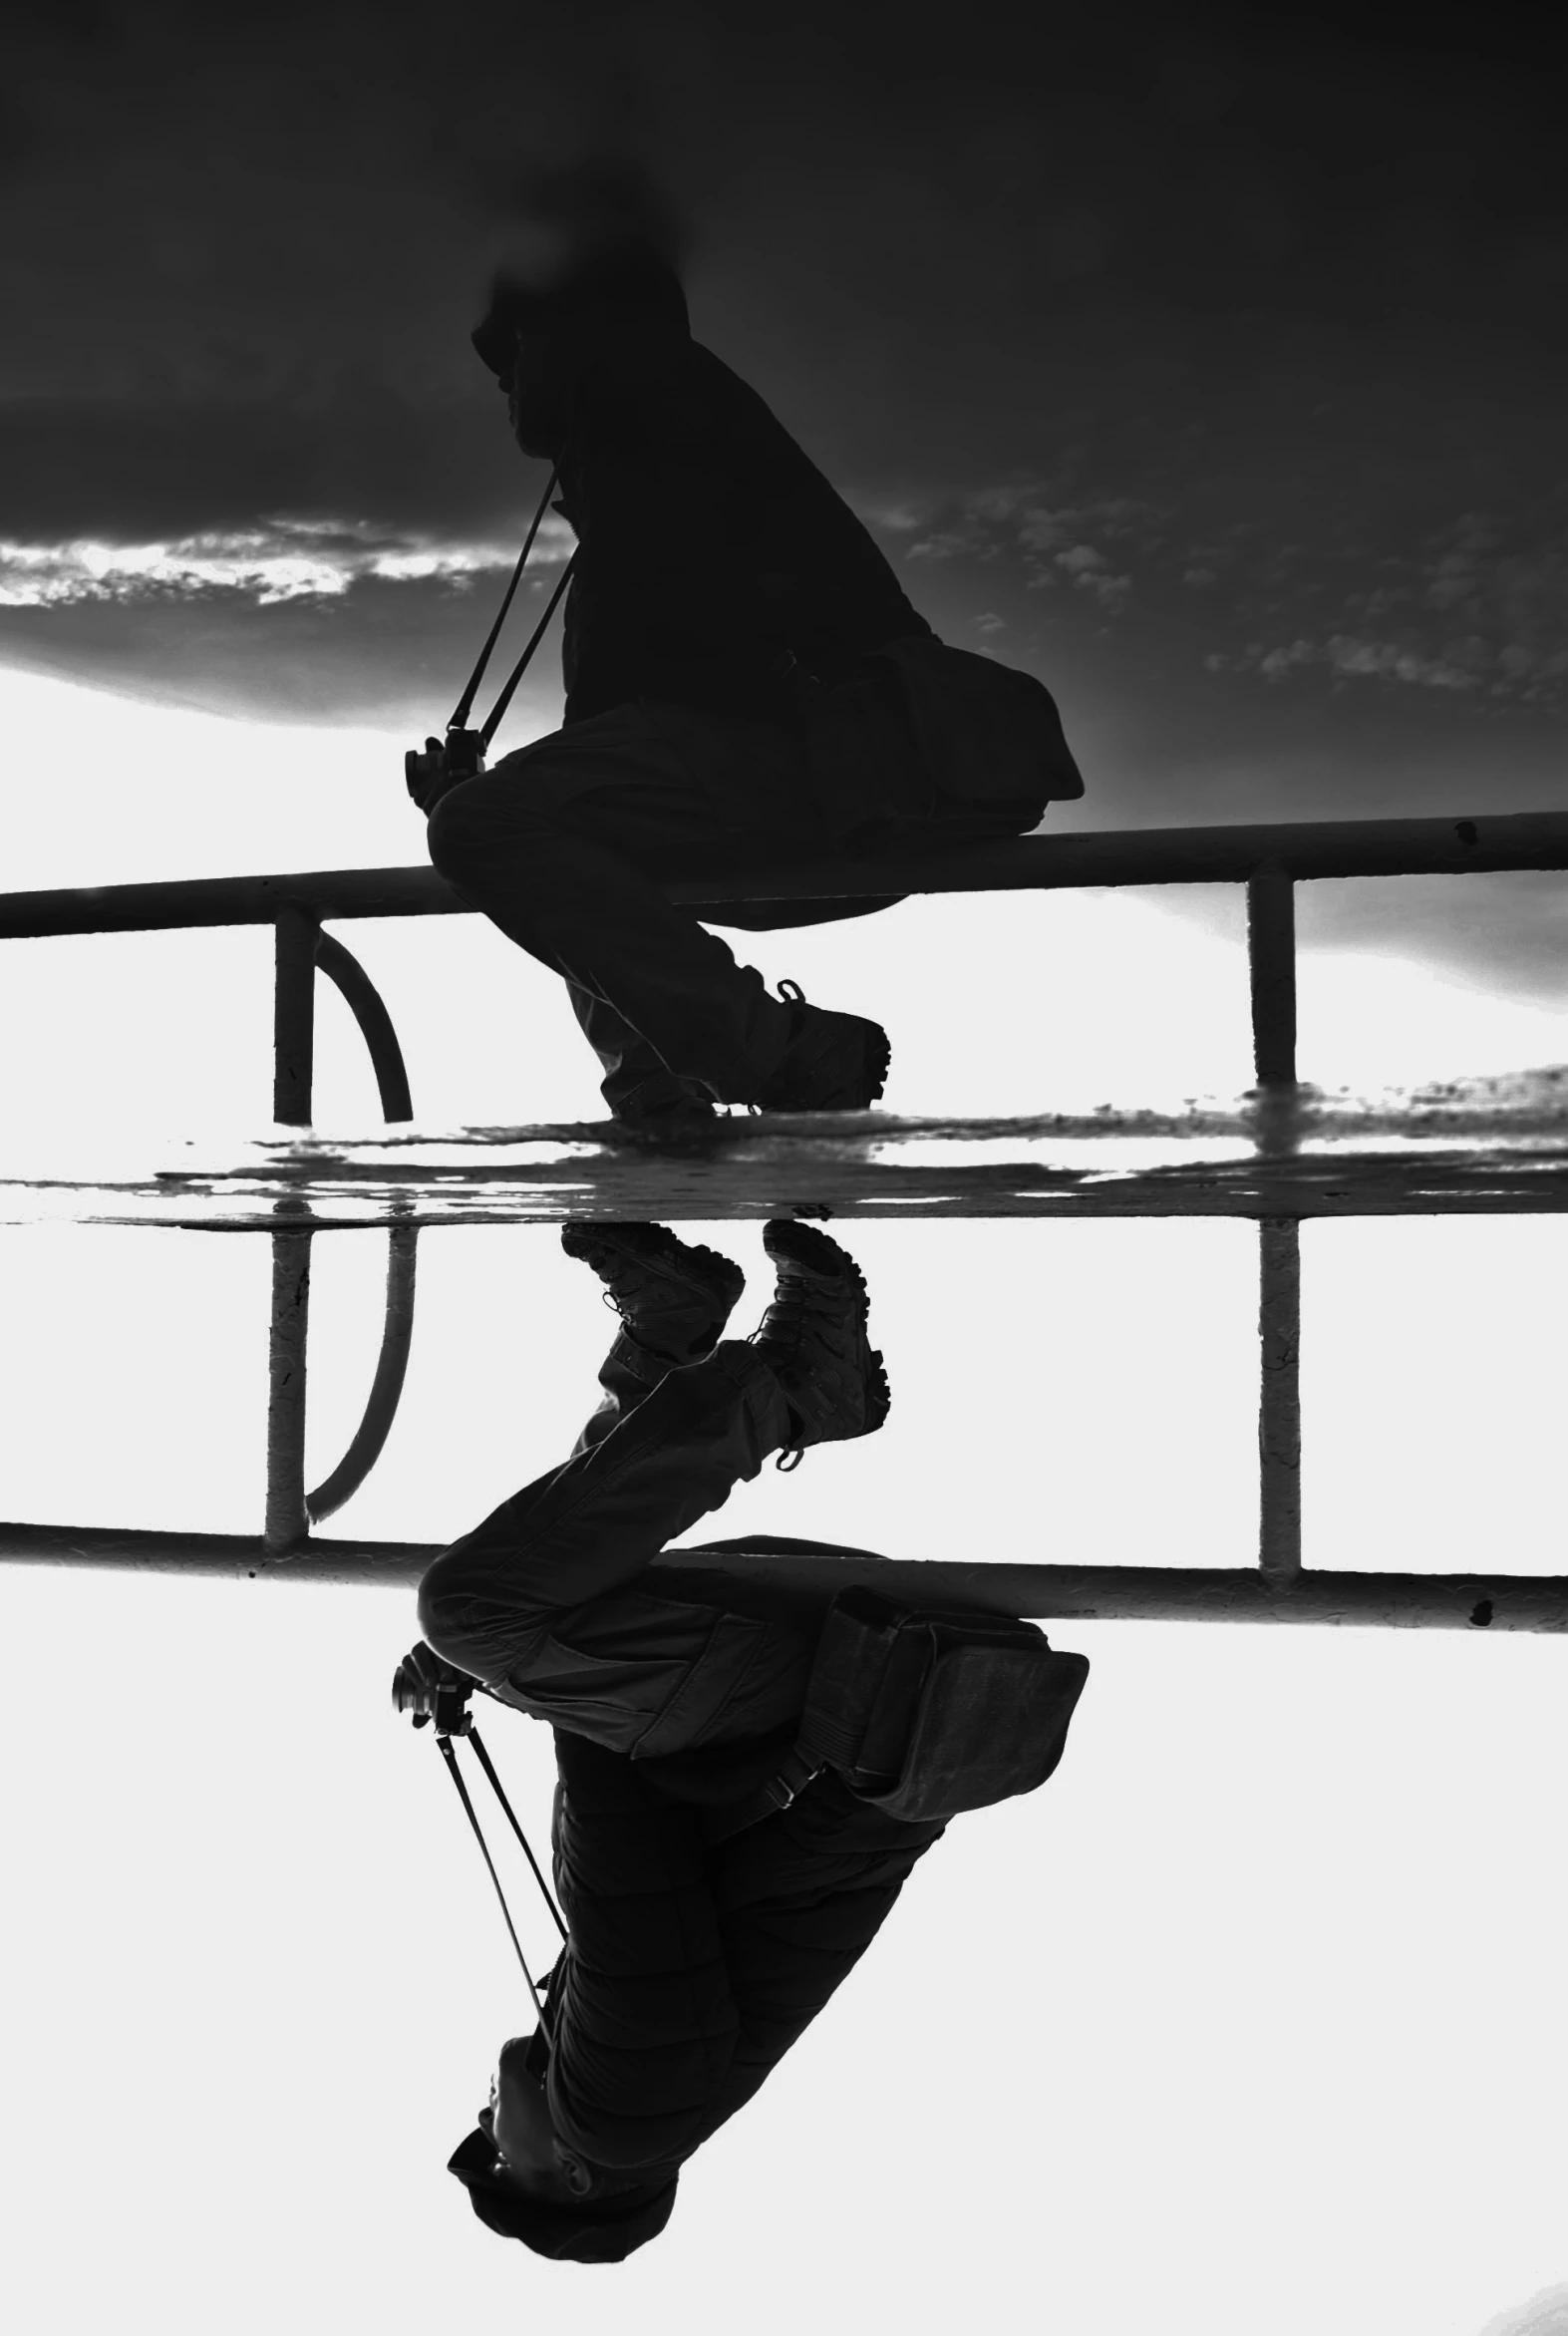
(791,1779)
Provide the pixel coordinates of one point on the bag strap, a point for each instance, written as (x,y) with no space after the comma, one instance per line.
(489,1767)
(797,1770)
(464,705)
(828,1739)
(444,1746)
(488,728)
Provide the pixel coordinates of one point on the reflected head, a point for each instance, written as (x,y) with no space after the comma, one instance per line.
(525,2182)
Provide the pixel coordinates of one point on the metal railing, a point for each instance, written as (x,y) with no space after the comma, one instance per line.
(301,948)
(1268,860)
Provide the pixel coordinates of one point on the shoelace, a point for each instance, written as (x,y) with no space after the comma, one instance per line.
(791,1456)
(784,988)
(624,1309)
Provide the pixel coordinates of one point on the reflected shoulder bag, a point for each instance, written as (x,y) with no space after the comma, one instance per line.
(924,1711)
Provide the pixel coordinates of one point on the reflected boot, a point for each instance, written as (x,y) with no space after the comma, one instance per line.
(815,1338)
(663,1105)
(832,1063)
(673,1297)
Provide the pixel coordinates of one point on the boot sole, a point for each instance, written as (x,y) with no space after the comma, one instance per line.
(684,1263)
(804,1246)
(672,1117)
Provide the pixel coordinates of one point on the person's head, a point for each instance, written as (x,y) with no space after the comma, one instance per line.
(525,2181)
(534,336)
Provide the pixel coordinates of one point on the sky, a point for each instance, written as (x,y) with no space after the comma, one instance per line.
(1206,364)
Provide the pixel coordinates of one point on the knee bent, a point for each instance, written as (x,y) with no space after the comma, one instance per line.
(438,1607)
(485,823)
(450,837)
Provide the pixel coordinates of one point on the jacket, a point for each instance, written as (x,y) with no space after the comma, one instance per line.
(718,571)
(711,549)
(691,1966)
(692,1969)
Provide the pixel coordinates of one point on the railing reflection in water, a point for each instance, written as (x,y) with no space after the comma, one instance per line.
(1515,1159)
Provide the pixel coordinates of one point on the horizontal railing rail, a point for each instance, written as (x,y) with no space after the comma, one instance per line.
(1086,1593)
(1305,850)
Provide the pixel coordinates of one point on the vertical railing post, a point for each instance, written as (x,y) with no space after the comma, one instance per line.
(293,1055)
(293,1017)
(286,1521)
(1270,958)
(1279,1397)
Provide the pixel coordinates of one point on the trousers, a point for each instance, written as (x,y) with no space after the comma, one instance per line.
(563,844)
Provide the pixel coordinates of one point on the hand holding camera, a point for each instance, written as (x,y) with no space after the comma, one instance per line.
(432,1689)
(443,766)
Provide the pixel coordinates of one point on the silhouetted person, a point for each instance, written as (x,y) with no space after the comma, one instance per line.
(693,1964)
(746,683)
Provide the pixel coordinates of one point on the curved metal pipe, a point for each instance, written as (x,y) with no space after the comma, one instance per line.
(392,1080)
(386,1387)
(365,1004)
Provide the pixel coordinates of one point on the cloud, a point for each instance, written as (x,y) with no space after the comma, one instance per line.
(897,518)
(1345,654)
(1474,607)
(1091,572)
(280,559)
(1464,663)
(1050,539)
(1545,2314)
(952,544)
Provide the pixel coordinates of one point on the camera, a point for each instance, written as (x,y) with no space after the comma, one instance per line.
(446,1701)
(443,766)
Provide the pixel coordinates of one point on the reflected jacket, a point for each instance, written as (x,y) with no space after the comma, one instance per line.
(692,1965)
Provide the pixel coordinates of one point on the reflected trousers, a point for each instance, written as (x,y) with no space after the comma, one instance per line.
(664,1448)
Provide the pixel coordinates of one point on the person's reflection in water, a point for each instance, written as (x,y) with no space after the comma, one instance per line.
(693,1963)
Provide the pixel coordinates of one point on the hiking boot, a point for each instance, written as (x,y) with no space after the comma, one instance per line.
(814,1337)
(674,1299)
(833,1062)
